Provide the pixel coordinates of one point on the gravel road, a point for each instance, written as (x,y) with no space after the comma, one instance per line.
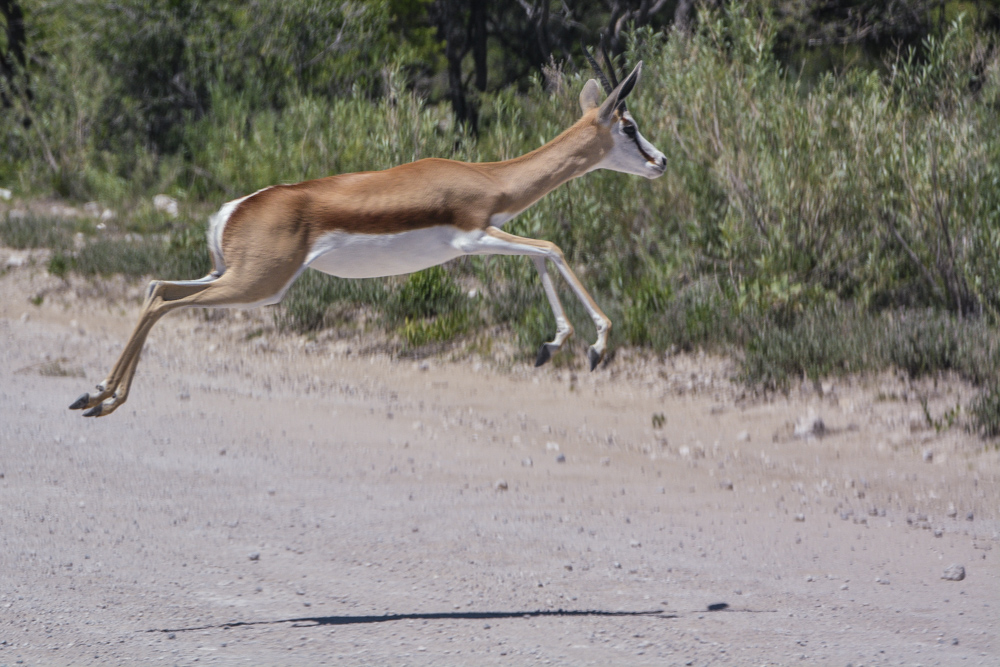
(265,499)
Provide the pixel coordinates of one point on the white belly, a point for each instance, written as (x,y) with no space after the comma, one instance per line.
(347,255)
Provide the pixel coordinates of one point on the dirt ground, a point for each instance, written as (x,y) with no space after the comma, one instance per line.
(271,500)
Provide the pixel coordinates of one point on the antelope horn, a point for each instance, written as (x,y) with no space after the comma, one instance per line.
(607,61)
(611,70)
(598,71)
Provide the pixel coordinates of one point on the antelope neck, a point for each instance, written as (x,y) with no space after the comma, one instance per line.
(528,178)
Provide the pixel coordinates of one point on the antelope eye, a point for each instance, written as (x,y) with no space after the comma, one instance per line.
(629,130)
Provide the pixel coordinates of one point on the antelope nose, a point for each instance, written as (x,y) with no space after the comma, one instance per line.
(662,162)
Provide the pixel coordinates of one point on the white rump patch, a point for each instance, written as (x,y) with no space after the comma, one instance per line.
(217,224)
(349,255)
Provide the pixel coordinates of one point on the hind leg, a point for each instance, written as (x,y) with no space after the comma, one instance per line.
(161,298)
(235,288)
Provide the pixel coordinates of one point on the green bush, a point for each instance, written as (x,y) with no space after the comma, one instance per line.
(843,223)
(986,412)
(315,299)
(32,231)
(171,259)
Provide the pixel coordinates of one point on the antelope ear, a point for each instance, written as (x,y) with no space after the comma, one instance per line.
(618,95)
(590,96)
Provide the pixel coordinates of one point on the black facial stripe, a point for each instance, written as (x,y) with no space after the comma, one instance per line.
(639,146)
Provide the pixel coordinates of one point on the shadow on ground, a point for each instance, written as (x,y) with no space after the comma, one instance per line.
(386,618)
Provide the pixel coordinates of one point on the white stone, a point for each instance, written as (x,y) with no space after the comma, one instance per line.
(809,427)
(166,204)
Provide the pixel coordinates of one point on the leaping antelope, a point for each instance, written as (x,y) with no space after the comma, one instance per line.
(398,221)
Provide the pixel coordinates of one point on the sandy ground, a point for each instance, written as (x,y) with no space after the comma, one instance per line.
(270,500)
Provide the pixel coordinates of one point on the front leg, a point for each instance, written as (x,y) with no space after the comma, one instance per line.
(563,328)
(495,241)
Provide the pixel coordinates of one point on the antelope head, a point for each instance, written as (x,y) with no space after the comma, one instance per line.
(629,152)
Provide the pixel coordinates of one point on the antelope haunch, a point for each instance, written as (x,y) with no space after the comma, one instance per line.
(397,221)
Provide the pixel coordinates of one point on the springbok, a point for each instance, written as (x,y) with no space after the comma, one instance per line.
(397,221)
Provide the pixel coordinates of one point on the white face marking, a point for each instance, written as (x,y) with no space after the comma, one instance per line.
(632,154)
(347,255)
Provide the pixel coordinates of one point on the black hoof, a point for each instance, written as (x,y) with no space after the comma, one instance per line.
(80,403)
(94,411)
(544,354)
(593,357)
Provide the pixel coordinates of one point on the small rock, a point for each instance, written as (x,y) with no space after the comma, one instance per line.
(561,458)
(166,204)
(569,568)
(800,517)
(809,427)
(552,446)
(501,485)
(606,461)
(527,463)
(255,555)
(617,565)
(952,512)
(880,580)
(928,456)
(726,485)
(938,532)
(184,395)
(16,261)
(6,194)
(970,516)
(954,572)
(743,436)
(635,544)
(172,635)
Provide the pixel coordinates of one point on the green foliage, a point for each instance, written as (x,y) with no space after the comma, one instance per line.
(846,223)
(429,307)
(985,412)
(166,259)
(59,264)
(31,231)
(840,339)
(425,294)
(317,300)
(443,328)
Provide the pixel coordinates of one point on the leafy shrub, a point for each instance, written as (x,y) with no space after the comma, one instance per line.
(310,301)
(985,412)
(843,223)
(426,293)
(163,259)
(30,231)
